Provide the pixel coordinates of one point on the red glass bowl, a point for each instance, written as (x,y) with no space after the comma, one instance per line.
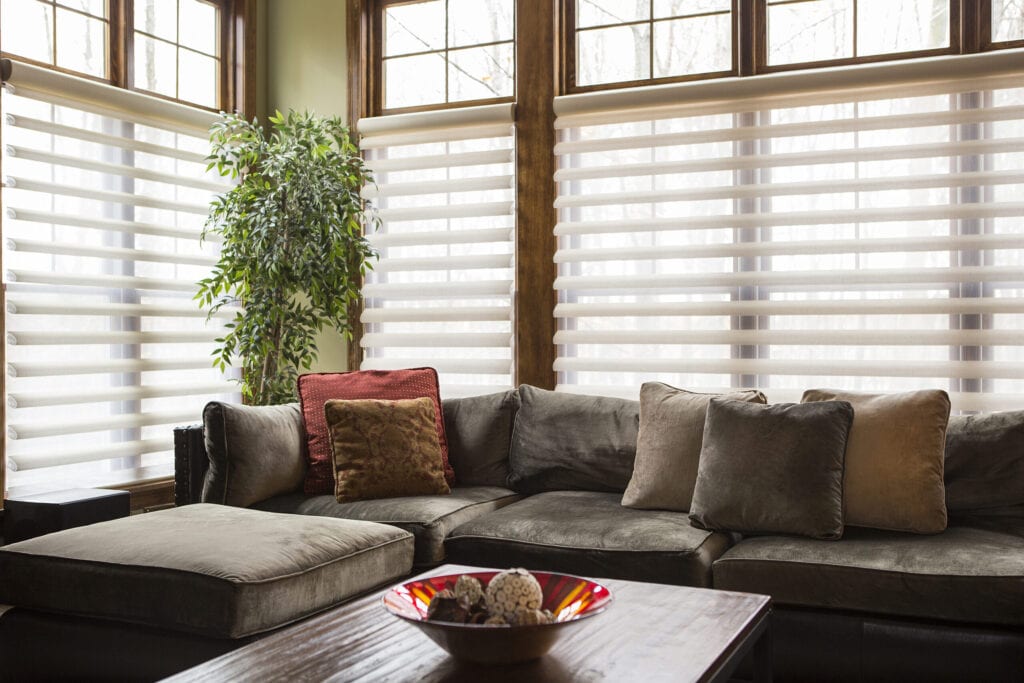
(570,598)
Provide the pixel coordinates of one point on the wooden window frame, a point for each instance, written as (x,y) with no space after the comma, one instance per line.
(237,42)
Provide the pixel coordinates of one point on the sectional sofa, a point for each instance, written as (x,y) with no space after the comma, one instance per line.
(540,479)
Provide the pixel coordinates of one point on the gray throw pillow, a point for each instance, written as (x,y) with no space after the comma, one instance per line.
(569,442)
(984,467)
(668,446)
(775,469)
(256,452)
(479,431)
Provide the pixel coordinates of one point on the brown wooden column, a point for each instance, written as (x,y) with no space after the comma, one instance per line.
(533,316)
(360,104)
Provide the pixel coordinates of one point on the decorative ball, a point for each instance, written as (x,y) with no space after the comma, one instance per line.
(469,589)
(531,617)
(511,590)
(495,621)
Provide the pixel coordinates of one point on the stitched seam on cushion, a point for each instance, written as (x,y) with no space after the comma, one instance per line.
(436,521)
(233,582)
(498,539)
(870,569)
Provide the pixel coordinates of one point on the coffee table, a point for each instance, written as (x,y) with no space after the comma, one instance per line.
(651,632)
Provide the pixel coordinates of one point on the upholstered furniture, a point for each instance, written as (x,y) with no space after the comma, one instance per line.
(220,572)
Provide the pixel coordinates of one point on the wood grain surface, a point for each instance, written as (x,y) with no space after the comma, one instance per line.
(651,632)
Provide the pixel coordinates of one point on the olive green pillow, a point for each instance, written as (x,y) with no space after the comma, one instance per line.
(894,461)
(775,469)
(668,445)
(384,449)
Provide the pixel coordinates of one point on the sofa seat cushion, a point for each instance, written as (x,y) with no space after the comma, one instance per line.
(590,533)
(429,518)
(967,573)
(208,569)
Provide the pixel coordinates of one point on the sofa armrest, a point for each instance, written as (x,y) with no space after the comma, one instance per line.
(190,464)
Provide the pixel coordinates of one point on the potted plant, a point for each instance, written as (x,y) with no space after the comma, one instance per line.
(292,251)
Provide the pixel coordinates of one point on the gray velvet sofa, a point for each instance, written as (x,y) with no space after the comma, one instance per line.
(542,489)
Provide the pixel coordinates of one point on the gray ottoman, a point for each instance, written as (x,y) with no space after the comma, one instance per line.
(212,570)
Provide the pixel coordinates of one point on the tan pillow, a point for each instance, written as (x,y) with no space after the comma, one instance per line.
(894,459)
(668,445)
(383,449)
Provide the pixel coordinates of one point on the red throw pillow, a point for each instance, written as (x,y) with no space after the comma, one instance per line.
(315,389)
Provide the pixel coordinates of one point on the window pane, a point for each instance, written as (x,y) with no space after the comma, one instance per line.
(199,26)
(1007,20)
(608,55)
(603,12)
(34,38)
(81,43)
(411,81)
(692,46)
(157,17)
(810,31)
(97,8)
(414,28)
(472,22)
(479,73)
(155,67)
(198,78)
(683,8)
(901,25)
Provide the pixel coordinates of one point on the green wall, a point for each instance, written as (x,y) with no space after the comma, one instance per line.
(303,67)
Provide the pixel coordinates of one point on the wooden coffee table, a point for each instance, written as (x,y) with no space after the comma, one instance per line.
(651,632)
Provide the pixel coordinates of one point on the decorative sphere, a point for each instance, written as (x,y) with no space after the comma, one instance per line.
(511,590)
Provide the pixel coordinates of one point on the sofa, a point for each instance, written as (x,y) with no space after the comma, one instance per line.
(542,489)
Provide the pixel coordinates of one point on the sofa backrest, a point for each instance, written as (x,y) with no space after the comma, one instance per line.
(572,442)
(984,467)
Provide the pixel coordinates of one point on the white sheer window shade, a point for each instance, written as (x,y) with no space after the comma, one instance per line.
(105,195)
(859,228)
(441,293)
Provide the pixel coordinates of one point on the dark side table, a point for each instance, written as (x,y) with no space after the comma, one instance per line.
(43,513)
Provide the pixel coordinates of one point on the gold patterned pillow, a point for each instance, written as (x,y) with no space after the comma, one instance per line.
(384,449)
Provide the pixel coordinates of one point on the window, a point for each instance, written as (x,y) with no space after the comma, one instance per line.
(651,39)
(440,294)
(70,34)
(1007,21)
(858,231)
(105,196)
(174,48)
(445,51)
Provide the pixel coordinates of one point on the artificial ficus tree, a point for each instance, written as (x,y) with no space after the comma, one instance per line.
(292,248)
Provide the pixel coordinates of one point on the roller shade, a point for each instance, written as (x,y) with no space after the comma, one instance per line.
(857,228)
(441,293)
(105,194)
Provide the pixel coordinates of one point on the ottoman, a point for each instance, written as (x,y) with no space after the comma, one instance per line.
(205,570)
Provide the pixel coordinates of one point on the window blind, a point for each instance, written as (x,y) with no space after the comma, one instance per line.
(440,294)
(105,194)
(858,228)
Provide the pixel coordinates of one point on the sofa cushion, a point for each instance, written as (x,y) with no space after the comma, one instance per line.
(668,445)
(316,388)
(773,469)
(572,442)
(479,432)
(894,459)
(255,452)
(384,449)
(429,518)
(967,573)
(985,462)
(583,532)
(209,569)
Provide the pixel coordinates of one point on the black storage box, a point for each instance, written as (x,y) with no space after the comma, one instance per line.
(34,515)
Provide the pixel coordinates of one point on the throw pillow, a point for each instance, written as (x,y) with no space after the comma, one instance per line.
(894,468)
(772,469)
(315,389)
(256,452)
(384,449)
(569,442)
(479,431)
(668,445)
(984,468)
